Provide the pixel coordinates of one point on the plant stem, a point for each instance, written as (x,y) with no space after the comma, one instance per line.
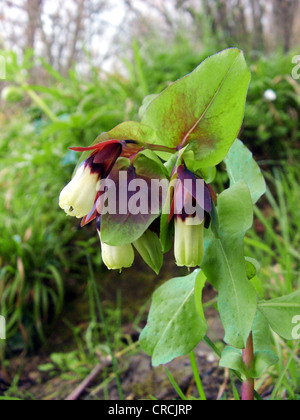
(210,344)
(214,348)
(175,384)
(248,357)
(197,377)
(159,148)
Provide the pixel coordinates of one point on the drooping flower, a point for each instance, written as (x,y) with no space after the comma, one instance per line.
(78,197)
(191,205)
(189,242)
(117,257)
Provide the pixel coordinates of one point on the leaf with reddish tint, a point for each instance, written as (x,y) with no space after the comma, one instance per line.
(146,102)
(204,109)
(129,130)
(134,200)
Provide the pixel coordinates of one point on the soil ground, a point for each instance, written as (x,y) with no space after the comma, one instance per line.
(139,379)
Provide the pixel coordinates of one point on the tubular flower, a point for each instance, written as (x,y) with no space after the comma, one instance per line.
(191,206)
(78,197)
(117,257)
(189,242)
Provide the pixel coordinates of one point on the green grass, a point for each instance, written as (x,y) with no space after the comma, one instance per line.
(276,240)
(276,244)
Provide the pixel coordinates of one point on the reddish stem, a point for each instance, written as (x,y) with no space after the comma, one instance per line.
(248,357)
(160,148)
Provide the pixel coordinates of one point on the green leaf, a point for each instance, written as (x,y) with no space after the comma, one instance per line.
(199,286)
(166,226)
(280,313)
(128,130)
(225,267)
(258,285)
(153,156)
(264,357)
(149,248)
(166,233)
(204,109)
(47,367)
(232,358)
(146,102)
(208,174)
(253,267)
(174,325)
(242,167)
(170,164)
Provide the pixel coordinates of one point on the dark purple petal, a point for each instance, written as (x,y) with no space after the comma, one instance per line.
(185,175)
(108,153)
(134,208)
(102,162)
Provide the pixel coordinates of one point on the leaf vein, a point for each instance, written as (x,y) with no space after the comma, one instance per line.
(185,139)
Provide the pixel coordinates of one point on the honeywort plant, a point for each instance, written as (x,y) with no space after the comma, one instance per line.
(184,133)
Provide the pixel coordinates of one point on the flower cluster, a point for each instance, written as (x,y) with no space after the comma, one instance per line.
(83,198)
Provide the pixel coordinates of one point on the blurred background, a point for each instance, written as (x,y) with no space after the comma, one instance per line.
(70,70)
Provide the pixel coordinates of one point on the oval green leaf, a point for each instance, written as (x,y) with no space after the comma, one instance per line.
(174,326)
